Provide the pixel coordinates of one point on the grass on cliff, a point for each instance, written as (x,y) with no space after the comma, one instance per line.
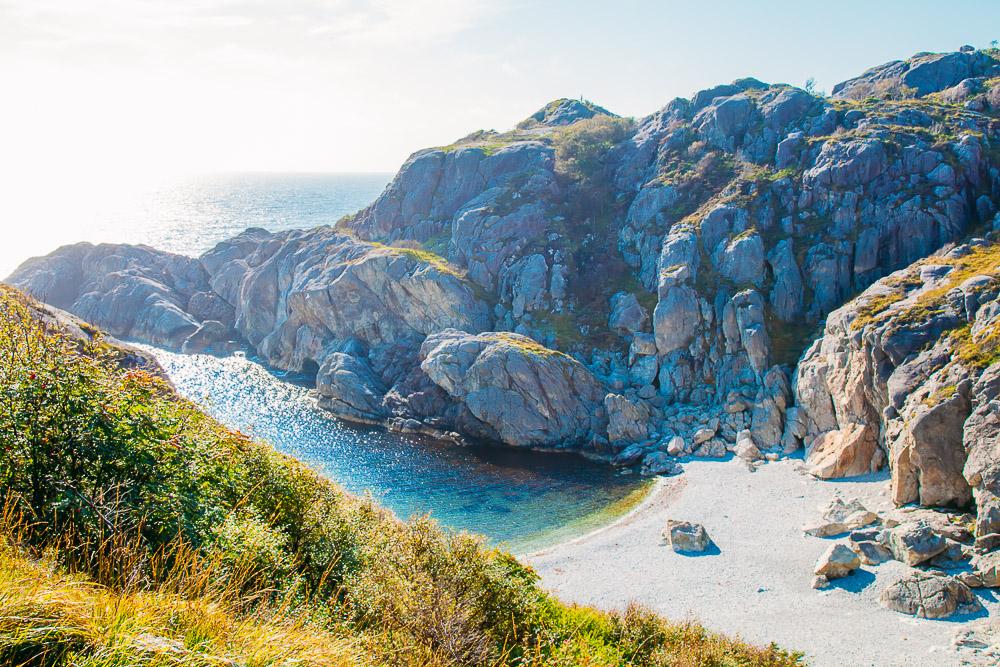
(136,530)
(422,255)
(981,261)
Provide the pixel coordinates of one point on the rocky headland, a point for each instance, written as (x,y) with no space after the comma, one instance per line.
(754,270)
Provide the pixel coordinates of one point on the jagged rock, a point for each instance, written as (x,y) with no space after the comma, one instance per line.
(676,446)
(871,552)
(703,435)
(676,318)
(626,418)
(923,74)
(840,517)
(981,440)
(820,582)
(524,285)
(914,543)
(349,388)
(745,447)
(788,295)
(927,595)
(741,259)
(713,449)
(684,536)
(630,455)
(836,562)
(724,122)
(843,453)
(659,463)
(627,314)
(987,568)
(530,395)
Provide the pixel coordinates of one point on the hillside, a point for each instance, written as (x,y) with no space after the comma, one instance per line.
(137,530)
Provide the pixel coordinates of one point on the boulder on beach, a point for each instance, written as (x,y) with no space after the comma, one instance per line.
(685,536)
(836,562)
(929,595)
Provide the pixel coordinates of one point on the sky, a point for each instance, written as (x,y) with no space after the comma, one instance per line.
(138,89)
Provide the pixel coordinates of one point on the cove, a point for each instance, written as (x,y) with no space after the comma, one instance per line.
(520,499)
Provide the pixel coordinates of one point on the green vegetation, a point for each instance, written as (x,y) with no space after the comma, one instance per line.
(137,530)
(415,252)
(582,148)
(524,344)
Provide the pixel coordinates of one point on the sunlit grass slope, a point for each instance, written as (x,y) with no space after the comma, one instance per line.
(136,530)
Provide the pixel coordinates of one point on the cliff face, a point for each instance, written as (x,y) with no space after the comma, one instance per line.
(682,262)
(908,370)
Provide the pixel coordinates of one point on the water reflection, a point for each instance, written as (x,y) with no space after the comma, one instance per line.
(519,498)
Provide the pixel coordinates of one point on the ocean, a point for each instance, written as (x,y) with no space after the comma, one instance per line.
(520,499)
(184,215)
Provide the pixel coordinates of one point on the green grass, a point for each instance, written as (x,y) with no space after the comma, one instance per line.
(136,530)
(423,256)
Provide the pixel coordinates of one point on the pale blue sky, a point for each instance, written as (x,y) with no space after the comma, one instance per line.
(145,87)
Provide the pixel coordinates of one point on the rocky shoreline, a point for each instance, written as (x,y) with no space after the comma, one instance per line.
(752,271)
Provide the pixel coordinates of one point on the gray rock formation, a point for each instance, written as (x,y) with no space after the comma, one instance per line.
(527,394)
(905,374)
(129,291)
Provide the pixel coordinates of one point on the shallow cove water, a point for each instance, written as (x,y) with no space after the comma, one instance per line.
(520,499)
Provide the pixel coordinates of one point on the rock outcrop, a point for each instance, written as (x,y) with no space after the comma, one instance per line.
(910,363)
(639,290)
(528,395)
(129,291)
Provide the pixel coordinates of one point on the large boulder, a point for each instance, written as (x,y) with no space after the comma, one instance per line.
(916,542)
(836,562)
(529,394)
(929,595)
(843,452)
(349,389)
(685,536)
(840,517)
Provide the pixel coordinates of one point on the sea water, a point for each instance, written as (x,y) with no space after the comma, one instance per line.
(521,499)
(518,498)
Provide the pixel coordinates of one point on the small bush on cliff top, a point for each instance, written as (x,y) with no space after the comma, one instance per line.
(582,147)
(137,530)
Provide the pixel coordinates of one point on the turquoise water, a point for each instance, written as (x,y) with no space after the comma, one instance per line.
(520,499)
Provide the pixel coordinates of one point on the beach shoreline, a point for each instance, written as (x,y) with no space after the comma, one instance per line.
(755,581)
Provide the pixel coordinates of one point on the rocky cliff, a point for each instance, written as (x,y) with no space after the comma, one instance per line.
(638,290)
(907,371)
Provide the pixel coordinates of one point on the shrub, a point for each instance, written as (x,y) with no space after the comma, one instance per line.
(207,547)
(581,148)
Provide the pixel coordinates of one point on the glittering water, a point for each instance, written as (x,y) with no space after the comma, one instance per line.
(186,216)
(519,498)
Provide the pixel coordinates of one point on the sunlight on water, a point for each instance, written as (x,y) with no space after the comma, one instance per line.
(186,216)
(519,498)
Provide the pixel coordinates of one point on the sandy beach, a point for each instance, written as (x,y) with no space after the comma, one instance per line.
(755,582)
